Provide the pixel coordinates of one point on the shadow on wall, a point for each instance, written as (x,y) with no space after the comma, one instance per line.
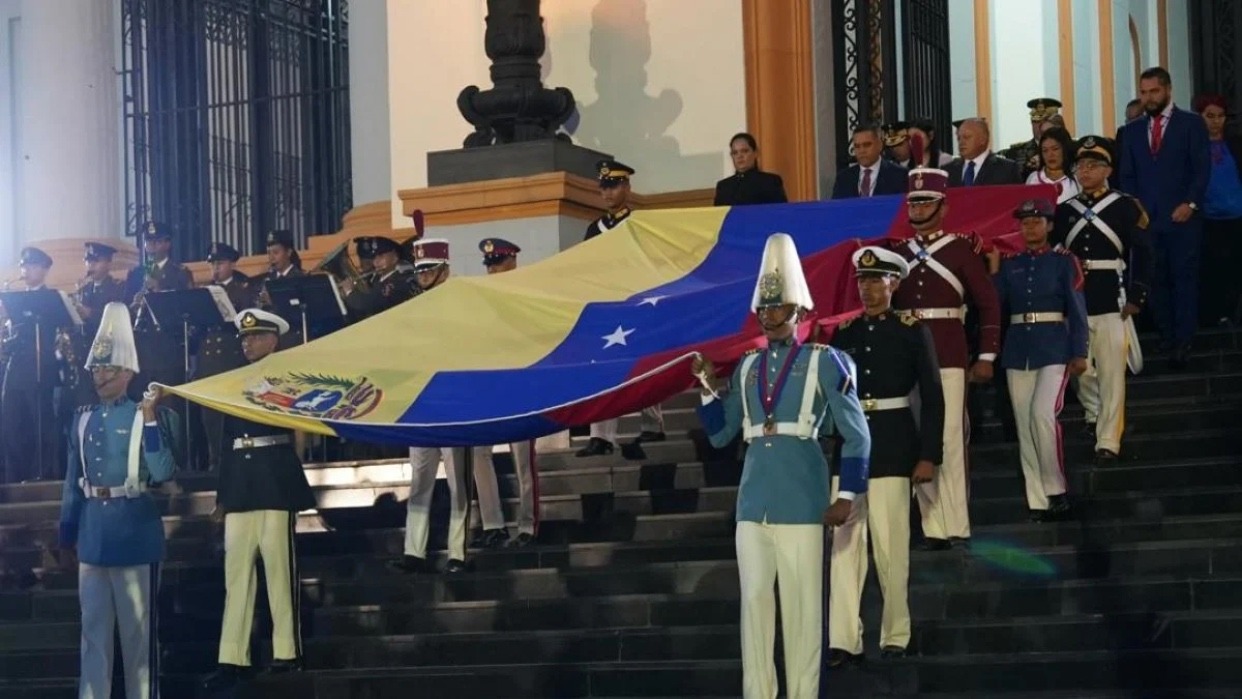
(626,121)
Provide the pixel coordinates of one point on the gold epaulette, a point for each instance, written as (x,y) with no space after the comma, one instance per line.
(84,409)
(976,243)
(907,318)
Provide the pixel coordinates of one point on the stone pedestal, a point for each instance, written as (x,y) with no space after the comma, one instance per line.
(511,160)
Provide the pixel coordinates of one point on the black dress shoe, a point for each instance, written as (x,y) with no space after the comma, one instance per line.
(1038,516)
(412,564)
(456,565)
(491,539)
(596,447)
(932,544)
(840,659)
(1105,457)
(225,677)
(283,667)
(959,542)
(1058,508)
(892,652)
(1088,429)
(649,436)
(522,541)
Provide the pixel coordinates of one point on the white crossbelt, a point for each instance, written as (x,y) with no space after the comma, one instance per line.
(1091,215)
(939,313)
(871,405)
(132,487)
(1037,317)
(925,255)
(256,442)
(1091,265)
(808,422)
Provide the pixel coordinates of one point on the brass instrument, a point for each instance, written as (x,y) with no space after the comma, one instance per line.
(340,267)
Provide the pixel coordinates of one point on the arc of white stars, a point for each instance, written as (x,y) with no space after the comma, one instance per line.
(617,337)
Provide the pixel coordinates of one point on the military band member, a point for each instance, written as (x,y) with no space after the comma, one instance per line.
(159,272)
(895,355)
(219,351)
(117,449)
(1041,290)
(388,286)
(97,290)
(431,264)
(783,501)
(946,273)
(282,256)
(28,430)
(1026,153)
(499,255)
(1107,230)
(262,488)
(366,256)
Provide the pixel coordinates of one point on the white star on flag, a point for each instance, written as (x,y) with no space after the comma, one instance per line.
(617,337)
(651,300)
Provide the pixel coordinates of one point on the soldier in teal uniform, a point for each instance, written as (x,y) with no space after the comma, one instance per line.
(783,501)
(117,450)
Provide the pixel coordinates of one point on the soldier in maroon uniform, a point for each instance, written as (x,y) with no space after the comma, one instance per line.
(946,272)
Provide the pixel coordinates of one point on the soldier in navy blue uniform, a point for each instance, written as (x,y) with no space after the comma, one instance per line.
(96,290)
(388,286)
(614,189)
(159,272)
(1041,290)
(895,355)
(28,431)
(1107,231)
(219,351)
(117,450)
(782,398)
(262,489)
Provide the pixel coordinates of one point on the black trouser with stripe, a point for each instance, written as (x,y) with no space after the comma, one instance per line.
(248,536)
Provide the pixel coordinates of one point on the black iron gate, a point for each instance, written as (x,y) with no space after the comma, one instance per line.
(236,118)
(1216,52)
(865,62)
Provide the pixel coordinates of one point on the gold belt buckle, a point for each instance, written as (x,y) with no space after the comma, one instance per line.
(247,443)
(1029,317)
(868,404)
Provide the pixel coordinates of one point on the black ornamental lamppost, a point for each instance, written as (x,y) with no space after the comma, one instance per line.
(517,108)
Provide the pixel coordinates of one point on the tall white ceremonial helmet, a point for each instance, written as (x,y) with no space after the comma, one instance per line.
(114,341)
(780,276)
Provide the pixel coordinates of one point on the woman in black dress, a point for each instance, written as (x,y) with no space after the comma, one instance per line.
(749,184)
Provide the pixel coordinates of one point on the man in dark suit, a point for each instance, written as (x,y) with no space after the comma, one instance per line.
(872,175)
(1165,162)
(976,163)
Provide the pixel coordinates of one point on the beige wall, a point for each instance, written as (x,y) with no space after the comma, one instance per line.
(659,83)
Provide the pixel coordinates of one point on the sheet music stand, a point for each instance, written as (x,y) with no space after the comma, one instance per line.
(45,308)
(311,300)
(194,309)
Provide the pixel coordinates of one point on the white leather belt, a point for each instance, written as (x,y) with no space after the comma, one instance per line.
(871,405)
(1091,265)
(119,491)
(256,442)
(1038,317)
(938,313)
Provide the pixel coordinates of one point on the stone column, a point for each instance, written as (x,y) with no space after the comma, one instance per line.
(370,130)
(69,136)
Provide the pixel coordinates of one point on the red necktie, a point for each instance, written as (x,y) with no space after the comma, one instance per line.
(865,189)
(1157,131)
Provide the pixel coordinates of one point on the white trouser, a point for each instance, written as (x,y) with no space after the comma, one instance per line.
(1102,387)
(1037,396)
(792,556)
(489,492)
(124,599)
(424,464)
(944,501)
(248,536)
(652,421)
(882,514)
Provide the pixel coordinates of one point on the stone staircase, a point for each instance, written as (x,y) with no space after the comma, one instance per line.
(633,590)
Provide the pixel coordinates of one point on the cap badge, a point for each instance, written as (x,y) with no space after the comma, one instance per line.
(918,182)
(488,246)
(151,227)
(603,171)
(102,349)
(771,285)
(1088,142)
(249,320)
(868,259)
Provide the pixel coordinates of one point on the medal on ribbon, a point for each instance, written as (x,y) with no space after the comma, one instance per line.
(768,398)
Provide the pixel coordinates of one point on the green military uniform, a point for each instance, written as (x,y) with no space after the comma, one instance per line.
(1026,153)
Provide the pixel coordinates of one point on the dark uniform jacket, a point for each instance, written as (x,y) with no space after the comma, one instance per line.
(1025,154)
(1042,281)
(926,287)
(894,354)
(168,277)
(1125,217)
(97,295)
(93,296)
(393,288)
(260,477)
(605,223)
(751,187)
(220,350)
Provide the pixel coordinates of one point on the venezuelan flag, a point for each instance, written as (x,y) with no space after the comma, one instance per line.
(599,330)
